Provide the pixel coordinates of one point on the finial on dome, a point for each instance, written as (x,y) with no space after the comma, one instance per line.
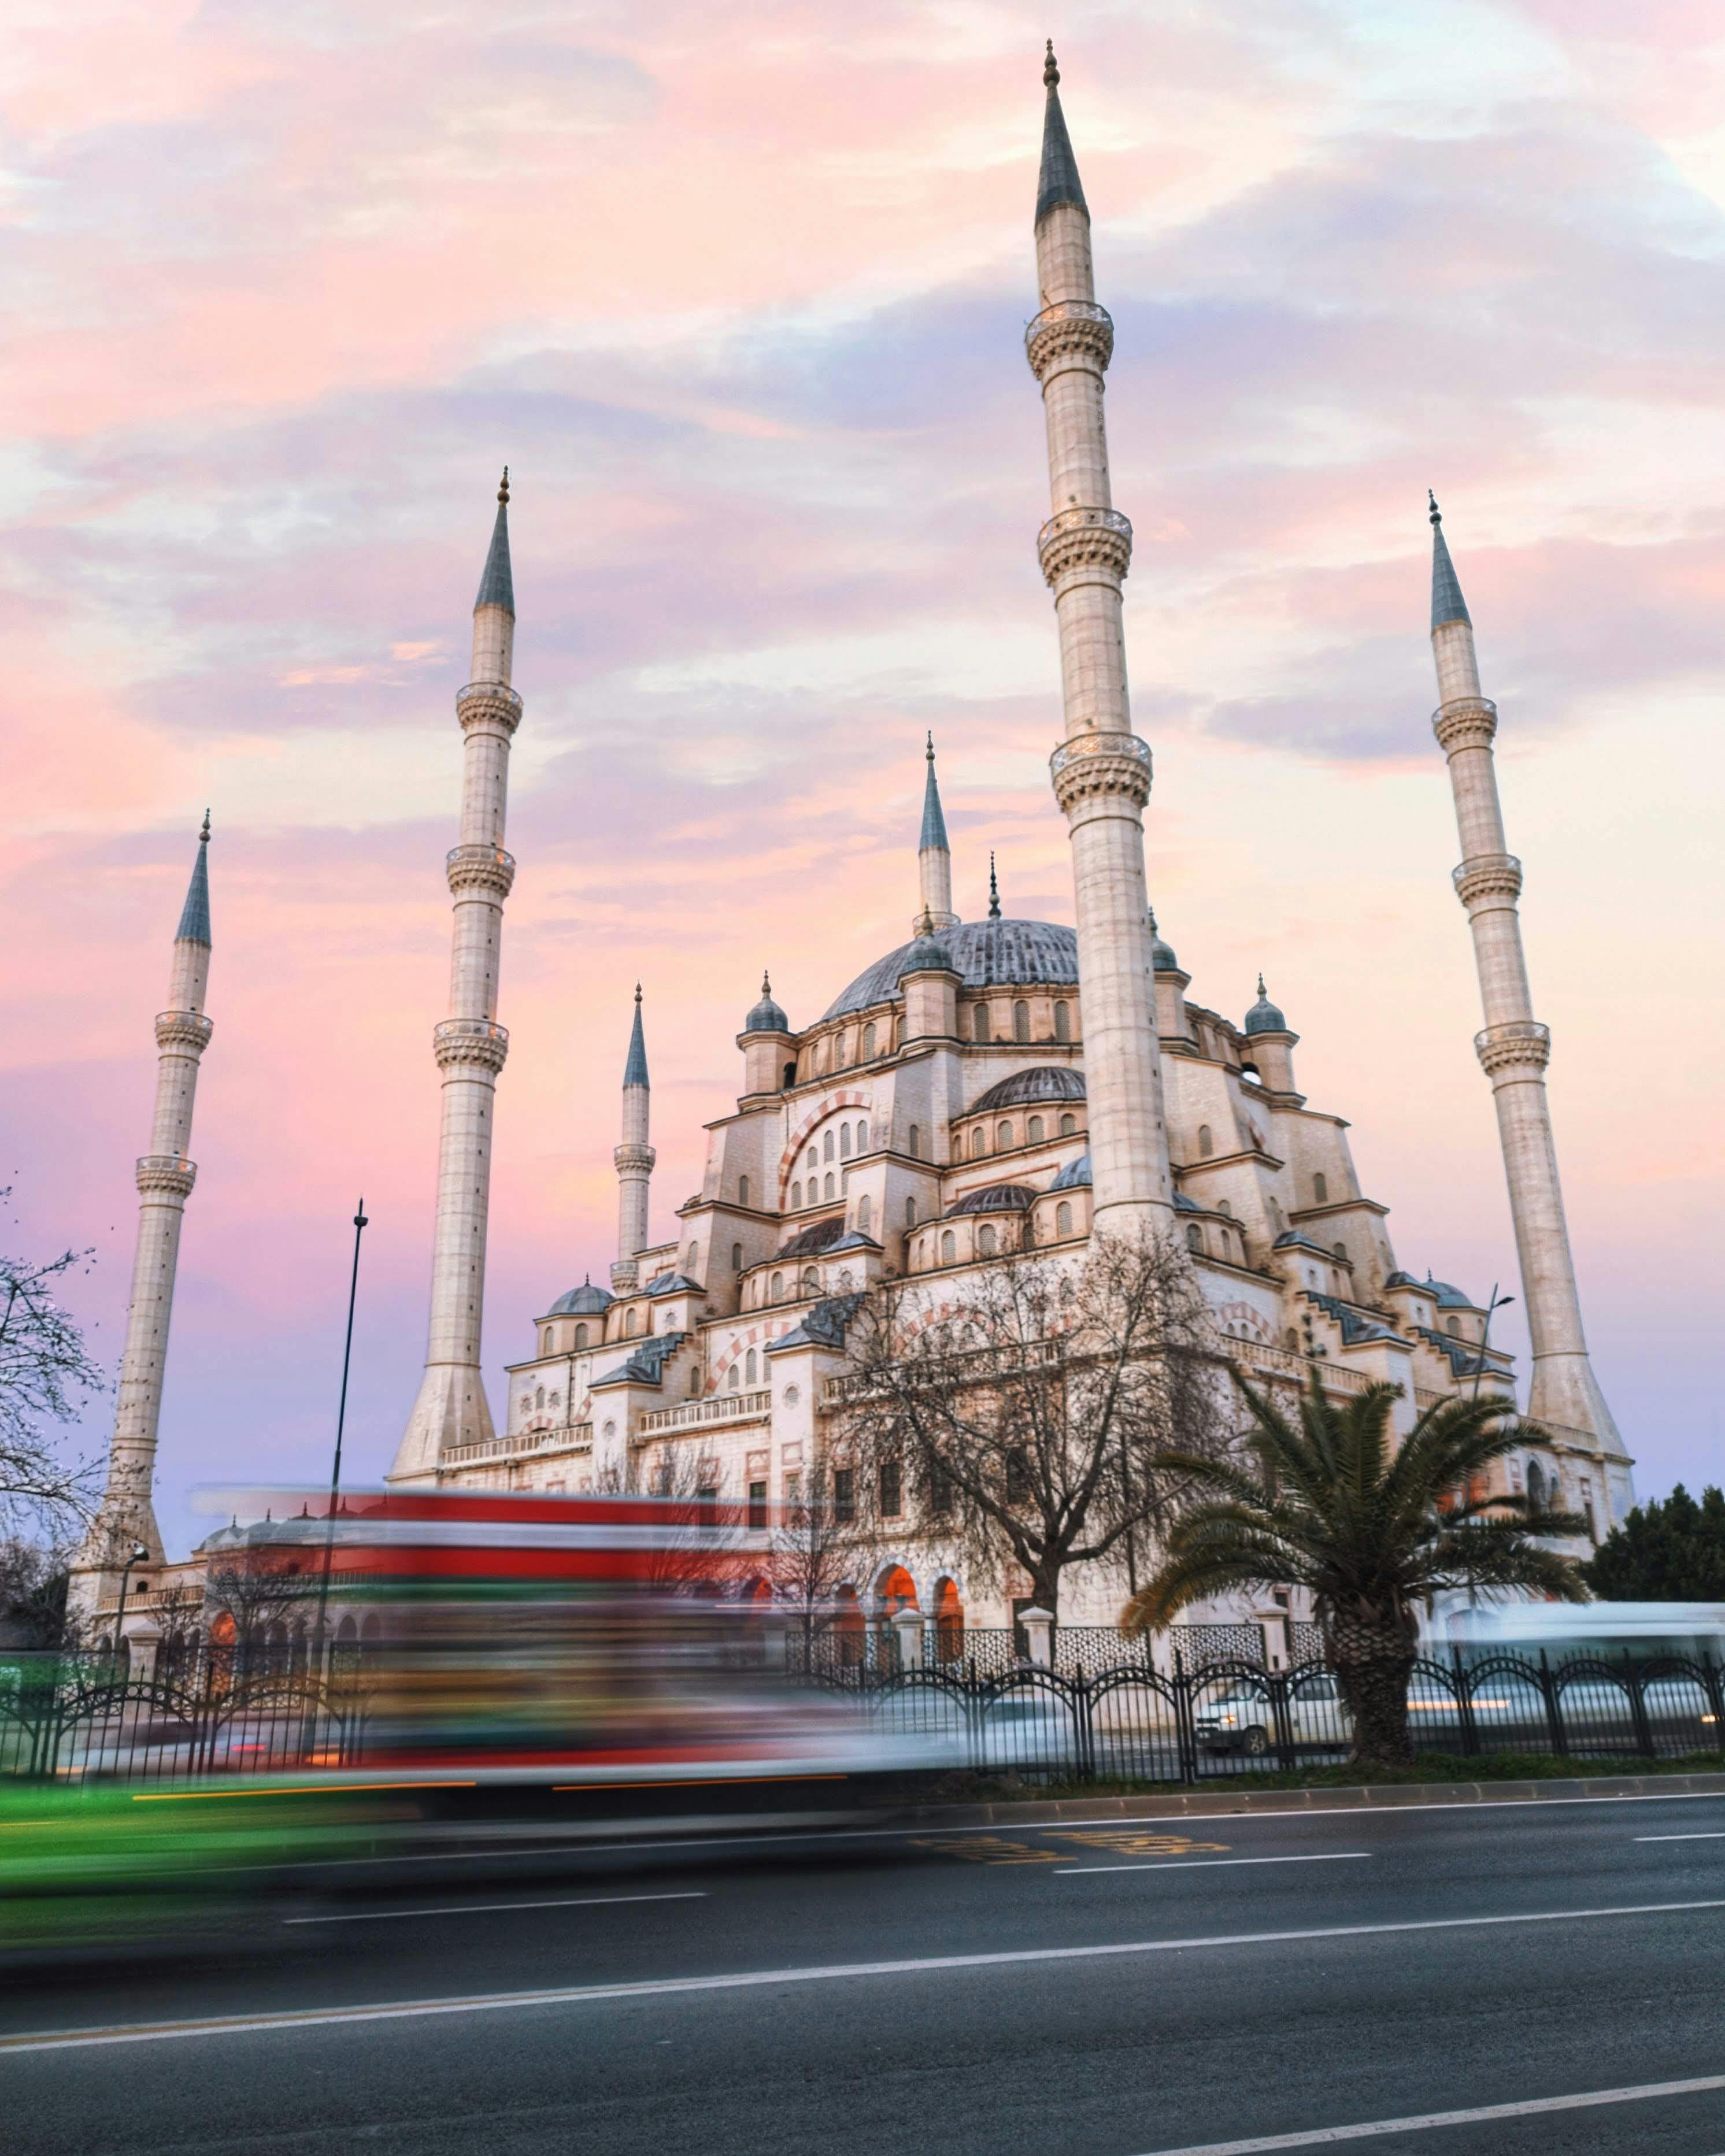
(766,981)
(1051,67)
(994,891)
(1261,984)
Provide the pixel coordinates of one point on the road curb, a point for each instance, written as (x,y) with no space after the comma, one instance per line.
(1214,1800)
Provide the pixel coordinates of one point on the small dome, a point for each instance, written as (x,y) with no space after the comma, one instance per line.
(927,955)
(1074,1176)
(1264,1017)
(810,1242)
(586,1300)
(998,1198)
(1448,1297)
(1043,1081)
(766,1017)
(1163,954)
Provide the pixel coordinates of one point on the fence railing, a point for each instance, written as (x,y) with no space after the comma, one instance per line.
(1133,1722)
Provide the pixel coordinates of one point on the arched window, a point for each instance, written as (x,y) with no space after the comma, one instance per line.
(811,1281)
(539,1398)
(1341,1250)
(1034,1133)
(862,1135)
(1063,1219)
(949,1247)
(694,1260)
(985,1240)
(1063,1021)
(733,1378)
(1320,1190)
(863,1211)
(1069,1127)
(844,1141)
(869,1042)
(790,1077)
(814,1157)
(778,1287)
(978,1143)
(1206,1142)
(826,1145)
(1291,1339)
(1222,1206)
(979,1023)
(1003,1137)
(796,1196)
(580,1335)
(743,1190)
(737,1257)
(1535,1486)
(914,1144)
(910,1212)
(828,1186)
(1454,1325)
(1021,1021)
(751,1367)
(1195,1239)
(629,1324)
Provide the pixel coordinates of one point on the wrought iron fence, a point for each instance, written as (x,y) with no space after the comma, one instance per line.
(73,1719)
(1133,1722)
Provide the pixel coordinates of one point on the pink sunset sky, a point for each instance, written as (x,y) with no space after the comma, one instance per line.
(738,296)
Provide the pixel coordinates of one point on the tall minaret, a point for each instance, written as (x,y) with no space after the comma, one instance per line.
(934,859)
(1101,771)
(634,1158)
(470,1045)
(127,1517)
(1514,1048)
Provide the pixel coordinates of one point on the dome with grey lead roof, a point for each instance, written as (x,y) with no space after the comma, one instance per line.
(998,1198)
(766,1017)
(927,955)
(984,954)
(1074,1176)
(1264,1017)
(1161,953)
(1042,1082)
(586,1300)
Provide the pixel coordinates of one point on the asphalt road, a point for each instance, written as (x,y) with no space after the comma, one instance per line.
(1112,1989)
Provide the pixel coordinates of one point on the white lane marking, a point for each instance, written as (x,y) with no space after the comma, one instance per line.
(1681,1837)
(72,2040)
(1051,1826)
(484,1908)
(1326,2136)
(1210,1863)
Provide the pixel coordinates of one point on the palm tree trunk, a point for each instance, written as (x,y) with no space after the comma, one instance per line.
(1373,1662)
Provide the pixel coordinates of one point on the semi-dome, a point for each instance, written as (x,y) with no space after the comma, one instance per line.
(766,1017)
(997,1198)
(984,954)
(1044,1081)
(1264,1017)
(1074,1176)
(586,1300)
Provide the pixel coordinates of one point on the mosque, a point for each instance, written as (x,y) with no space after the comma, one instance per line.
(986,1086)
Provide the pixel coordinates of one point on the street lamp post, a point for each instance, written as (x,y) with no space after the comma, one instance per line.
(359,1225)
(1497,1302)
(139,1556)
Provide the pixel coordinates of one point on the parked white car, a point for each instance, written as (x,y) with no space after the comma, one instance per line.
(1242,1720)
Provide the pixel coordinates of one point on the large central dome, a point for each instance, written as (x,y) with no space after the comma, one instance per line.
(987,954)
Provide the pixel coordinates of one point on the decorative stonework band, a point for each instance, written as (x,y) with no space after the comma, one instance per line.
(637,1159)
(1522,1042)
(167,1175)
(1095,764)
(1084,538)
(479,1041)
(480,868)
(488,703)
(1073,330)
(1468,722)
(182,1029)
(1487,875)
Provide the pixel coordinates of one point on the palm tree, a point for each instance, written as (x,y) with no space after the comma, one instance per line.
(1370,1530)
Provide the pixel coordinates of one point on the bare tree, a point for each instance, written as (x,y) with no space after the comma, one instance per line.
(33,1594)
(813,1552)
(248,1593)
(46,1374)
(1028,1423)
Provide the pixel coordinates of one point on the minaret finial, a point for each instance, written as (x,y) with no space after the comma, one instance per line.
(1447,604)
(497,581)
(1437,514)
(994,891)
(1051,67)
(929,752)
(1059,182)
(503,489)
(203,835)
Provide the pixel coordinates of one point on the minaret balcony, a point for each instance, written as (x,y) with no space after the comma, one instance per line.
(480,868)
(1487,875)
(1517,1041)
(1085,539)
(1073,330)
(480,1041)
(187,1030)
(1100,763)
(493,702)
(167,1175)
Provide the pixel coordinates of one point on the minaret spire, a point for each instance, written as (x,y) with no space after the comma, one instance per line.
(1514,1047)
(126,1518)
(470,1045)
(634,1157)
(1101,771)
(934,857)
